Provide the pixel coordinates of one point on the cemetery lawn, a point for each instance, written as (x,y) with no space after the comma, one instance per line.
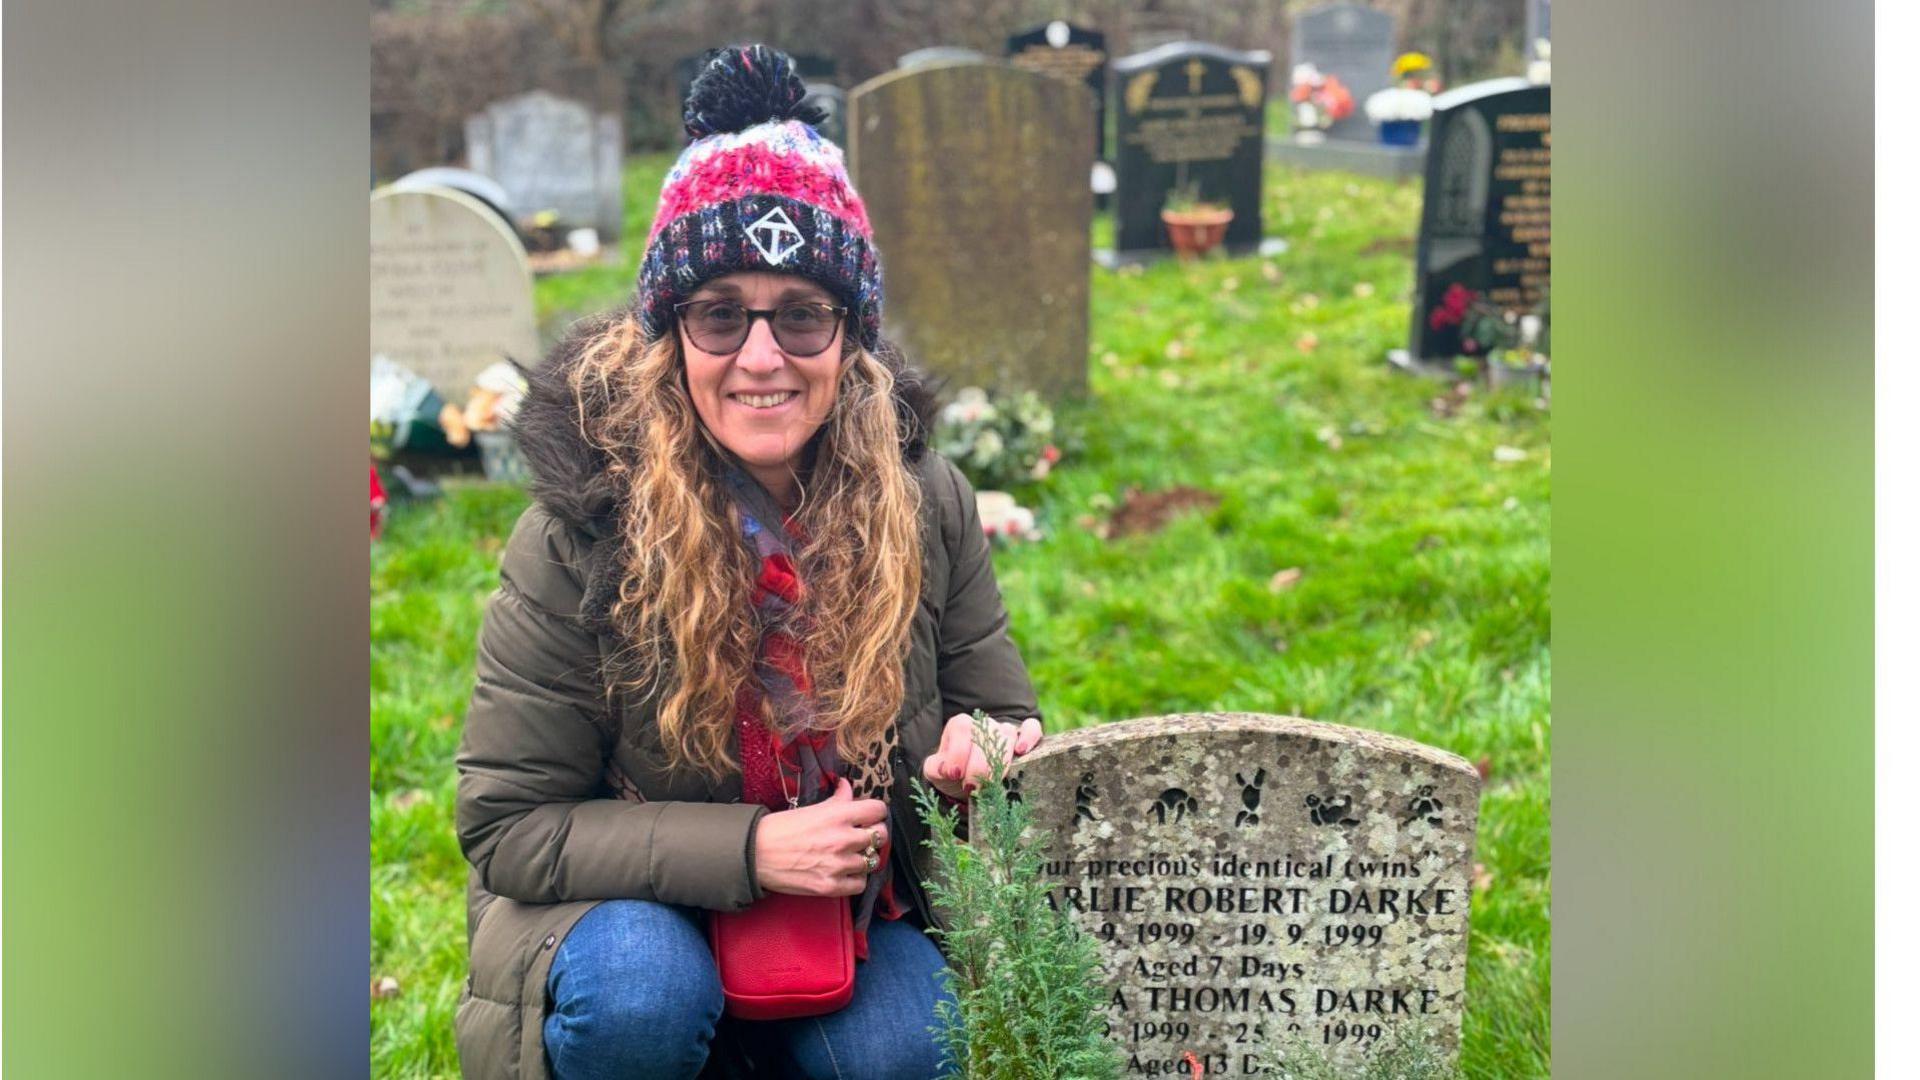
(1420,607)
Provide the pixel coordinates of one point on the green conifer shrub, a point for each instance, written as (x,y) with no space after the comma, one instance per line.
(1026,982)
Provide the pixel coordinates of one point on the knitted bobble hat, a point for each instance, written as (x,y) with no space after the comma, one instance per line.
(758,189)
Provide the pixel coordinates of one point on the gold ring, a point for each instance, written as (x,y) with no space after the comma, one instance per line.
(873,862)
(873,839)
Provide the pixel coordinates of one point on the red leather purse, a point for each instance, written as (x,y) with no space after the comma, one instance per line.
(785,956)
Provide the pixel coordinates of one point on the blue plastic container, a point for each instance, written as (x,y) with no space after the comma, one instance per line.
(1400,132)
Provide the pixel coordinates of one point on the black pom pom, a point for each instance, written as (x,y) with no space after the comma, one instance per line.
(743,85)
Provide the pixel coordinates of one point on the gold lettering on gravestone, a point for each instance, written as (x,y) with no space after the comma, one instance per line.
(1194,128)
(1072,62)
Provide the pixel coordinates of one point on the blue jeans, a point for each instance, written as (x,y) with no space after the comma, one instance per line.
(633,994)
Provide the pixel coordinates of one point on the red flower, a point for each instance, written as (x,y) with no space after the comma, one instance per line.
(1453,307)
(1051,453)
(1194,1068)
(377,499)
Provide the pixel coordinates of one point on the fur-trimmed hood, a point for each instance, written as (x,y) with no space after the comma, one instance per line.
(569,475)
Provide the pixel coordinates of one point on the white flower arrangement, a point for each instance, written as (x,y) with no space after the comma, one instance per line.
(1001,445)
(1399,103)
(970,406)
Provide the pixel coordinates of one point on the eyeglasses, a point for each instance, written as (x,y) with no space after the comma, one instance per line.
(721,326)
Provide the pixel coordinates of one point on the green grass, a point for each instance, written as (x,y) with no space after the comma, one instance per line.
(1423,608)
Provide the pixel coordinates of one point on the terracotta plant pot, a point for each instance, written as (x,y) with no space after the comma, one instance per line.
(1195,232)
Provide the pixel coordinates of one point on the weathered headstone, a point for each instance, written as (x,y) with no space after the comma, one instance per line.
(831,100)
(978,195)
(941,54)
(1355,43)
(451,292)
(1486,226)
(1255,880)
(1188,114)
(1070,52)
(552,153)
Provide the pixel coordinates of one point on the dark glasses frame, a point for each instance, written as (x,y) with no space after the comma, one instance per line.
(838,311)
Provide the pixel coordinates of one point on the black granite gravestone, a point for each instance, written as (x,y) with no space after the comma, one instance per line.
(1486,228)
(1069,52)
(1188,114)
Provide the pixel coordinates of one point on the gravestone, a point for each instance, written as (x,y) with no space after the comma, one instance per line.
(1069,52)
(978,196)
(1355,43)
(484,188)
(1486,226)
(451,292)
(1252,880)
(552,153)
(832,101)
(1539,23)
(941,54)
(1188,114)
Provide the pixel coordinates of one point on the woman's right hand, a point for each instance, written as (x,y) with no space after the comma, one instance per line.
(820,850)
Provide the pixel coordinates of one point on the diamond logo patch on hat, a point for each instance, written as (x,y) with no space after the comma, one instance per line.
(775,236)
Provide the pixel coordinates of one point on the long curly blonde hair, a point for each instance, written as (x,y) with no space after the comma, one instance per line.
(684,609)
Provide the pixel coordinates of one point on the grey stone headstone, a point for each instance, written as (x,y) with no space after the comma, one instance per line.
(941,54)
(975,178)
(1188,114)
(450,289)
(1355,43)
(551,153)
(1258,879)
(831,100)
(1539,23)
(1486,224)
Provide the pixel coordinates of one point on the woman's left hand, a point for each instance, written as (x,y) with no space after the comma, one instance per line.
(961,764)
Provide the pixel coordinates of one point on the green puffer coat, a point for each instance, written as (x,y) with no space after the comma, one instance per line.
(536,817)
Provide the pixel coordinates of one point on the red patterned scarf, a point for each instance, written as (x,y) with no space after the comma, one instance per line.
(785,759)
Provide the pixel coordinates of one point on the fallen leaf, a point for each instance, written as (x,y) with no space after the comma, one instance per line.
(1509,453)
(1285,579)
(1482,877)
(443,722)
(1308,342)
(1484,767)
(385,986)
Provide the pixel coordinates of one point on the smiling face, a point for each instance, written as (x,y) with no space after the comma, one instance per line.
(762,403)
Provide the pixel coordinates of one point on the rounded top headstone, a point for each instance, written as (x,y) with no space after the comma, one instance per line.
(450,289)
